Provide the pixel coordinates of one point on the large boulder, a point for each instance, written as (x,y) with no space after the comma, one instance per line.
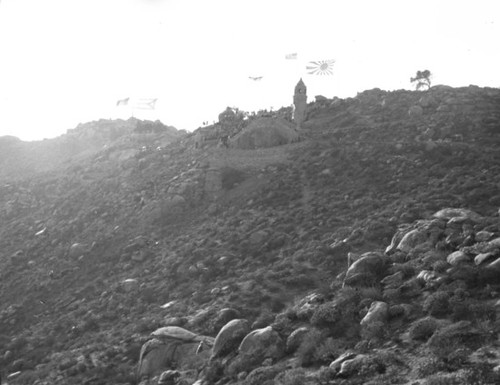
(77,250)
(173,347)
(155,357)
(367,270)
(265,132)
(457,258)
(263,343)
(424,234)
(295,339)
(449,213)
(160,355)
(230,336)
(378,312)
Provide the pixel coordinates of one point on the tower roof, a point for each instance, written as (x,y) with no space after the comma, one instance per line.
(300,84)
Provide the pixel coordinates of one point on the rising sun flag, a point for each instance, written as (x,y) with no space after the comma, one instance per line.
(321,67)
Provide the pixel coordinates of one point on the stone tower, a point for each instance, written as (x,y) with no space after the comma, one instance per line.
(300,103)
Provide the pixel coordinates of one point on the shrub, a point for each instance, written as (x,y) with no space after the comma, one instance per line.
(423,329)
(440,266)
(326,375)
(443,379)
(327,351)
(374,331)
(326,315)
(427,365)
(449,339)
(437,304)
(306,353)
(406,268)
(372,293)
(291,377)
(339,313)
(230,177)
(261,375)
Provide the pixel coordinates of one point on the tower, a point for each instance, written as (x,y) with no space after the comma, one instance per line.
(300,103)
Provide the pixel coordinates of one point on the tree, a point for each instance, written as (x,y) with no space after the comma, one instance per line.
(422,79)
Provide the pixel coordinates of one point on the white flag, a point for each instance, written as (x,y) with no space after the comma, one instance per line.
(122,102)
(145,104)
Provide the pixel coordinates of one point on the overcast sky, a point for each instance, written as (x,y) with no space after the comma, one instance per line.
(63,62)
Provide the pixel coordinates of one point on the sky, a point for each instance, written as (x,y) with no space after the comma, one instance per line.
(65,62)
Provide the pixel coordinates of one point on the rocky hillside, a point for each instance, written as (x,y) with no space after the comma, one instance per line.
(366,253)
(23,159)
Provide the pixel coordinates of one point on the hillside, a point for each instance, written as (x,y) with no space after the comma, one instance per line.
(23,159)
(365,253)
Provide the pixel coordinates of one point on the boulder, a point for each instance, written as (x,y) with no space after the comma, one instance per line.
(449,213)
(169,377)
(130,285)
(263,343)
(352,366)
(377,313)
(295,339)
(367,270)
(494,265)
(337,364)
(457,258)
(258,238)
(76,250)
(484,257)
(160,355)
(156,357)
(428,276)
(230,336)
(411,239)
(415,111)
(427,101)
(494,243)
(483,236)
(265,132)
(424,234)
(224,316)
(393,281)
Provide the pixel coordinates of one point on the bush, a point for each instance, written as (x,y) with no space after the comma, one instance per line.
(339,314)
(447,340)
(406,268)
(372,293)
(427,365)
(306,353)
(374,331)
(440,266)
(326,315)
(259,376)
(327,351)
(423,329)
(437,304)
(444,379)
(291,377)
(231,177)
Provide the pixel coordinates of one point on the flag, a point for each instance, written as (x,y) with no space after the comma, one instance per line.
(255,78)
(321,67)
(145,104)
(291,56)
(122,102)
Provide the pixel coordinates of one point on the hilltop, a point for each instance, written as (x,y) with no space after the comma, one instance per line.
(24,159)
(387,204)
